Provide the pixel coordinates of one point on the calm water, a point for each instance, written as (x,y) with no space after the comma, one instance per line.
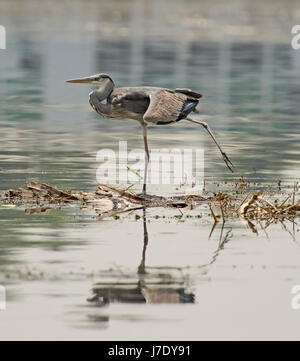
(70,276)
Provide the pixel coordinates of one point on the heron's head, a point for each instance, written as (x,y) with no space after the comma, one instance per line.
(99,80)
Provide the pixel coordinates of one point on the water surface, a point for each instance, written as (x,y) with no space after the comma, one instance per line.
(69,275)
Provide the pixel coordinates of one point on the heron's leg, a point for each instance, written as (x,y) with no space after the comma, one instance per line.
(147,156)
(224,155)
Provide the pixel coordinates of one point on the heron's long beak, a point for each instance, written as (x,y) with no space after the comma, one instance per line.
(80,80)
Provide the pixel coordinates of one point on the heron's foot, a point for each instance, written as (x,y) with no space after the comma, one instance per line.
(228,162)
(144,195)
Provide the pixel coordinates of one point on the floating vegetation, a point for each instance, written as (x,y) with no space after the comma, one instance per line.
(108,201)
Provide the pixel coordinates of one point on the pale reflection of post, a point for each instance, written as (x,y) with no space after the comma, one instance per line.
(224,68)
(137,42)
(266,78)
(2,298)
(295,62)
(181,52)
(5,61)
(2,37)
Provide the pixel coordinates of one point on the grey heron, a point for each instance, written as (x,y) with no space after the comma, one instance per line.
(147,105)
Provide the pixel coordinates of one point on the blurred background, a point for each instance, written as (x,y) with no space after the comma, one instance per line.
(69,275)
(237,54)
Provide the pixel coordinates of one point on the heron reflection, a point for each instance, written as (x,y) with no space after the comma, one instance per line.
(150,287)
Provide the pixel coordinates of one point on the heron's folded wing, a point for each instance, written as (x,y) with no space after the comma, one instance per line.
(165,107)
(131,99)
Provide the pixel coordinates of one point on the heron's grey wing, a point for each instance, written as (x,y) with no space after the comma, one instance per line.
(131,99)
(167,107)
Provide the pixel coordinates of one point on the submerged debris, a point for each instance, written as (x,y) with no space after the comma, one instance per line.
(108,201)
(39,192)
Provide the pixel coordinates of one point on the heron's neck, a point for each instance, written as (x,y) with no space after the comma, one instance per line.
(105,90)
(99,95)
